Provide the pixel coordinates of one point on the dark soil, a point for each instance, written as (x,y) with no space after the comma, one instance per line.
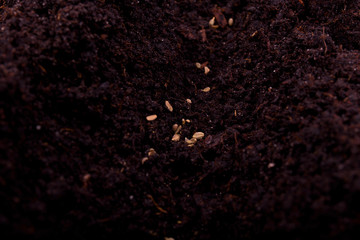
(280,156)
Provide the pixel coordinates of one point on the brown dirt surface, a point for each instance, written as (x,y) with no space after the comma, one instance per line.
(280,154)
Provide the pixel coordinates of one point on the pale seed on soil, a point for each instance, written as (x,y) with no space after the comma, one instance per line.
(178,129)
(212,22)
(231,21)
(168,105)
(206,70)
(151,152)
(86,177)
(198,65)
(151,117)
(175,127)
(198,135)
(144,160)
(207,89)
(188,101)
(190,141)
(253,35)
(271,165)
(176,138)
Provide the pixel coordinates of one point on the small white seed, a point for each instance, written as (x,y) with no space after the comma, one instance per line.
(151,152)
(187,120)
(231,21)
(151,117)
(198,65)
(271,165)
(175,127)
(207,89)
(168,105)
(176,138)
(188,101)
(143,160)
(86,177)
(212,22)
(206,70)
(253,34)
(198,135)
(190,141)
(178,129)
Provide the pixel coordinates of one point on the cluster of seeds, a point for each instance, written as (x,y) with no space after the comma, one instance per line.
(190,142)
(200,66)
(220,18)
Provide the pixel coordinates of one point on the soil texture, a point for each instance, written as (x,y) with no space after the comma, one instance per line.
(273,96)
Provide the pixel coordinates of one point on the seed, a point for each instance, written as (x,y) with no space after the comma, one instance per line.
(183,121)
(190,141)
(206,70)
(253,35)
(187,120)
(168,105)
(231,21)
(175,127)
(212,22)
(151,117)
(178,129)
(271,165)
(198,135)
(143,160)
(188,101)
(86,177)
(151,152)
(207,89)
(176,137)
(198,65)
